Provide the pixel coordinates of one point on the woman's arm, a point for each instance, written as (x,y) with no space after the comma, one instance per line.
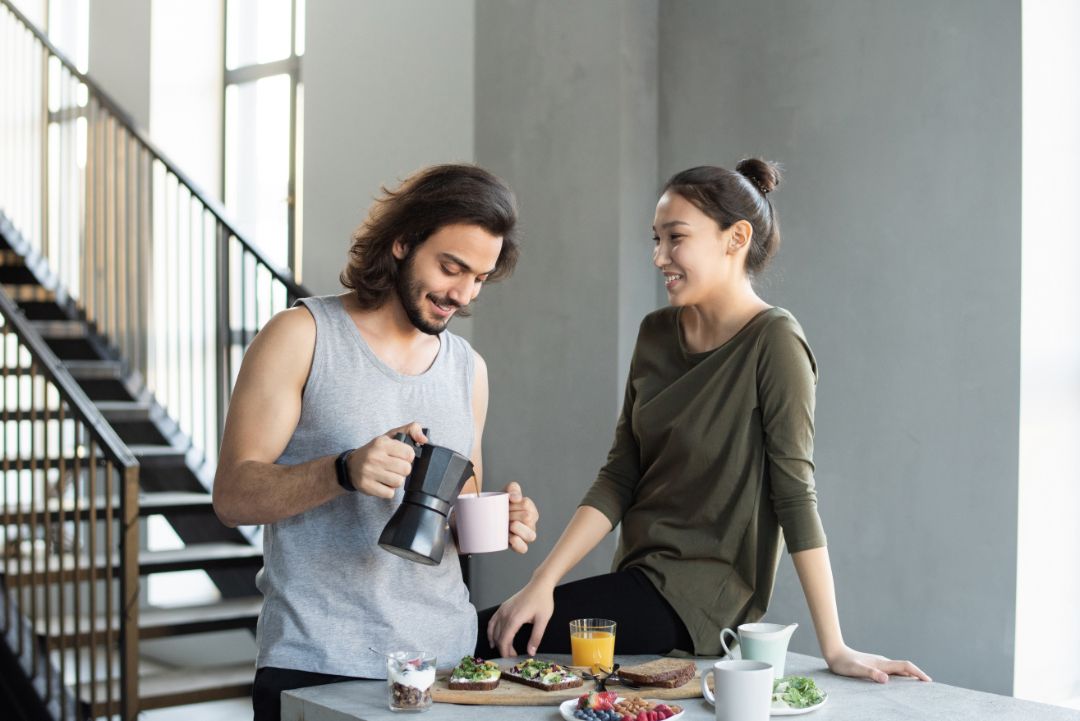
(815,575)
(534,603)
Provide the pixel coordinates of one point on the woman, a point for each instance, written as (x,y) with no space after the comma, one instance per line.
(712,457)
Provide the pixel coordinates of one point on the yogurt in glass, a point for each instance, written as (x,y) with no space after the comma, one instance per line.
(409,678)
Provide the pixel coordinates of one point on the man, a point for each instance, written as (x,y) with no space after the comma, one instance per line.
(329,383)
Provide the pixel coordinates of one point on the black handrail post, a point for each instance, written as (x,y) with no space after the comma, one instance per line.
(224,329)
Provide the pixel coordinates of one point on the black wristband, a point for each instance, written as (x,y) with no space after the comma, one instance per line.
(342,467)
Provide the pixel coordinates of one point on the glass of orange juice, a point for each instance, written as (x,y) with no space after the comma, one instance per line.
(592,643)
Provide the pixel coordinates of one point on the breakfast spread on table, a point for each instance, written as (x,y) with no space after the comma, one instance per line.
(643,691)
(542,682)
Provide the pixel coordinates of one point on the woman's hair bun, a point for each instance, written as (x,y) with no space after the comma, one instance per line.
(764,174)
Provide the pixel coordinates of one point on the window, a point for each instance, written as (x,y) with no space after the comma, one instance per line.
(263,123)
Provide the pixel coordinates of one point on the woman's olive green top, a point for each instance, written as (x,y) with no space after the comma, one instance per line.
(713,457)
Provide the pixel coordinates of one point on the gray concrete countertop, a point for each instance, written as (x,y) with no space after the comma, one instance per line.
(849,700)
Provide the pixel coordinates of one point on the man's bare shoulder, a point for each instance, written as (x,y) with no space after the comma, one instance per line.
(283,348)
(289,327)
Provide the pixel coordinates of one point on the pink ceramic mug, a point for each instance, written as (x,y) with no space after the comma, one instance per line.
(483,522)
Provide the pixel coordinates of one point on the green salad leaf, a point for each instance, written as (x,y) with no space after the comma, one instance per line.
(797,692)
(475,669)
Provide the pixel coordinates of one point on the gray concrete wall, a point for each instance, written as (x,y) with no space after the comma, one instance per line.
(899,125)
(565,112)
(388,88)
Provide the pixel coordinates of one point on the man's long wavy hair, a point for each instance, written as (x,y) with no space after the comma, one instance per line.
(426,201)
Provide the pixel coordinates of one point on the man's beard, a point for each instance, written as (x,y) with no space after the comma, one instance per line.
(411,294)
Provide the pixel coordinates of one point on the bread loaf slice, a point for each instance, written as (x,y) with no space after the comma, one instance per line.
(466,685)
(544,675)
(663,672)
(475,674)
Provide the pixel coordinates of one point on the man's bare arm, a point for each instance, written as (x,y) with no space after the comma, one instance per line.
(249,487)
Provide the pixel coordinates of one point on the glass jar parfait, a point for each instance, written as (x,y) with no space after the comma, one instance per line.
(409,678)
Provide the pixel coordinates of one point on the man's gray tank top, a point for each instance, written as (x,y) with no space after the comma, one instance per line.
(329,591)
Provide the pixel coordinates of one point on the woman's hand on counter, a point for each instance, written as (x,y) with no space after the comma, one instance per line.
(849,662)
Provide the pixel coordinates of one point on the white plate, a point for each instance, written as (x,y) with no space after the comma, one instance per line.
(780,709)
(568,707)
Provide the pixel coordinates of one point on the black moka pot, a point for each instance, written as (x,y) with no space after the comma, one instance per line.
(417,530)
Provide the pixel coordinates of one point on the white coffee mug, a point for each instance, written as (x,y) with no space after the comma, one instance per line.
(483,522)
(743,690)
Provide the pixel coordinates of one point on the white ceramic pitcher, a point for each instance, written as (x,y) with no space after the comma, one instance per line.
(766,642)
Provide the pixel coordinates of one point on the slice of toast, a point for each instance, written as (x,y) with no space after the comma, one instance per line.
(544,675)
(475,674)
(663,672)
(466,685)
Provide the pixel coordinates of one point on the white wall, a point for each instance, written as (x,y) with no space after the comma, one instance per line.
(1048,558)
(187,65)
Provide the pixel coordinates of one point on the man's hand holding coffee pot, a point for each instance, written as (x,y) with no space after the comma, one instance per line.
(381,466)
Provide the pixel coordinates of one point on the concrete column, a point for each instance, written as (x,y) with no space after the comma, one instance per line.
(566,113)
(388,88)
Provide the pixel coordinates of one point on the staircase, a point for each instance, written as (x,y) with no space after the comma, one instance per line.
(127,300)
(170,485)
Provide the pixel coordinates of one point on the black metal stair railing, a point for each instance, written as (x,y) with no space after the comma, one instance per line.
(70,533)
(147,259)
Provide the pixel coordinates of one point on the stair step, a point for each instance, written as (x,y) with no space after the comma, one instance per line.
(158,455)
(11,257)
(183,686)
(94,369)
(21,293)
(42,310)
(159,622)
(60,329)
(150,504)
(166,502)
(199,556)
(124,411)
(221,616)
(17,275)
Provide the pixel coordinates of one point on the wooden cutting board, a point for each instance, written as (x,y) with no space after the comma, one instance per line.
(508,693)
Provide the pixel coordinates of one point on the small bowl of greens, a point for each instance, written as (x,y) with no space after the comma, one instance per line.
(796,695)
